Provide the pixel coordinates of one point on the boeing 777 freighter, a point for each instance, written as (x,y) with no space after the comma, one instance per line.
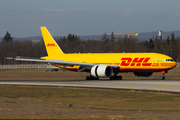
(101,65)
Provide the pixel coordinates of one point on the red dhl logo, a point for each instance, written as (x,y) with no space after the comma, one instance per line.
(51,44)
(135,62)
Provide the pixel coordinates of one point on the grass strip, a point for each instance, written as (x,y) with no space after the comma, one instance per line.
(94,98)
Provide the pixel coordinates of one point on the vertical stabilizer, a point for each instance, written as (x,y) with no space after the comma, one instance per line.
(52,47)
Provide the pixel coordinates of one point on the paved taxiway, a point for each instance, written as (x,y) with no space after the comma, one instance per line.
(155,85)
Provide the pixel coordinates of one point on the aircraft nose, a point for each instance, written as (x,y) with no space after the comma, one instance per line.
(175,64)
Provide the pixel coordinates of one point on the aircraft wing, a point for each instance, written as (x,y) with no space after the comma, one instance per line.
(61,62)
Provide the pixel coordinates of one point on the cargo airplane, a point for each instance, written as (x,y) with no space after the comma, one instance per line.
(104,65)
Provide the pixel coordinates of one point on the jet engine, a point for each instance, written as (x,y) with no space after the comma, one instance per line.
(143,74)
(101,71)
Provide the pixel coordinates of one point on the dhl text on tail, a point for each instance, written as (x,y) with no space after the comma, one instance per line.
(104,64)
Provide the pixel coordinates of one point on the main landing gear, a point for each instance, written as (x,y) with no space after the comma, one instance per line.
(115,77)
(162,75)
(91,78)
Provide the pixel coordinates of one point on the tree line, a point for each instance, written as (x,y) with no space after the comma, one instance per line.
(73,44)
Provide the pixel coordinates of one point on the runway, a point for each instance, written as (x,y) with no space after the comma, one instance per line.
(143,85)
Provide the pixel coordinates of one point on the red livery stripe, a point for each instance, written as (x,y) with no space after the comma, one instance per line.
(168,64)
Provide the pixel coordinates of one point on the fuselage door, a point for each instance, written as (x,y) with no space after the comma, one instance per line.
(154,63)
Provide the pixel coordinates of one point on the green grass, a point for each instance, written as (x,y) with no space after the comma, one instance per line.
(94,98)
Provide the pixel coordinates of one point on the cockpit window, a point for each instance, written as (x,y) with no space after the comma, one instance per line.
(169,60)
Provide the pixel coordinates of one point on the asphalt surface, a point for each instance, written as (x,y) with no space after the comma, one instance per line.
(143,85)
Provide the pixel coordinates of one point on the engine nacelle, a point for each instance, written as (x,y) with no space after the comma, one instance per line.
(143,74)
(101,71)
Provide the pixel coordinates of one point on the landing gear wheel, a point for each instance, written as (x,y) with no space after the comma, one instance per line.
(162,78)
(115,77)
(87,78)
(119,77)
(91,78)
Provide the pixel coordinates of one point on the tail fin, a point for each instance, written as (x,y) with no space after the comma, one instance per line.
(52,47)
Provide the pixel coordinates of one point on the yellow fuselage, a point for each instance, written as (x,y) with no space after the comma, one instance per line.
(128,62)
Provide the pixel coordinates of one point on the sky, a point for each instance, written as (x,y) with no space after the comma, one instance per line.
(23,18)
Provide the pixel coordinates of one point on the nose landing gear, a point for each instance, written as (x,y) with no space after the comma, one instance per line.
(163,75)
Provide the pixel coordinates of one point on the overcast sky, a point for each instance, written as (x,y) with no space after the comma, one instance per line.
(23,18)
